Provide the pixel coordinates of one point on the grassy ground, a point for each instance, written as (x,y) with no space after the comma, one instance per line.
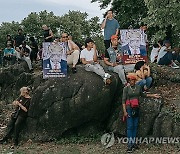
(86,148)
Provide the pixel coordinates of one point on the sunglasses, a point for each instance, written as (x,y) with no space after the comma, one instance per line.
(65,37)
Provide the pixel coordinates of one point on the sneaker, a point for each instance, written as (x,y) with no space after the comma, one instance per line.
(74,70)
(129,150)
(107,81)
(174,65)
(107,75)
(135,146)
(15,142)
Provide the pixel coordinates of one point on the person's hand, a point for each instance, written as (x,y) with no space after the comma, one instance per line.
(96,62)
(142,69)
(156,95)
(15,103)
(106,16)
(114,64)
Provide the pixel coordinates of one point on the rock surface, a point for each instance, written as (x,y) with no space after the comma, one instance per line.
(81,103)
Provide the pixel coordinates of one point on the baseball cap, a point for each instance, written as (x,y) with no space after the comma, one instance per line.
(114,37)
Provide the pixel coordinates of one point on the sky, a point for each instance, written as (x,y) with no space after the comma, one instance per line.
(17,10)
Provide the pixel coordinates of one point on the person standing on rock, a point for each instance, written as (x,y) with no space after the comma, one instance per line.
(89,59)
(48,34)
(130,101)
(19,117)
(110,26)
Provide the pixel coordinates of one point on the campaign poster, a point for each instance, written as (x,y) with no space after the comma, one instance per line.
(133,43)
(54,60)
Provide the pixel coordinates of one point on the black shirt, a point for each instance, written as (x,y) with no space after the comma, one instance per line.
(46,33)
(19,39)
(25,102)
(34,46)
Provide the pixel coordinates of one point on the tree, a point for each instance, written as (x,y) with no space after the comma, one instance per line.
(163,16)
(8,28)
(128,13)
(33,23)
(76,24)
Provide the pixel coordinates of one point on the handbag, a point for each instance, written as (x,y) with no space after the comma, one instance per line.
(134,104)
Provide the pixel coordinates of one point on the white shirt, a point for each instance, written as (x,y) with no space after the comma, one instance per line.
(88,55)
(162,52)
(154,54)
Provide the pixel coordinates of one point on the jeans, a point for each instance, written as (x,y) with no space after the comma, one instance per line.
(121,70)
(145,82)
(168,57)
(132,125)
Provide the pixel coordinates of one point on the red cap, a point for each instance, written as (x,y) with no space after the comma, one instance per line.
(114,37)
(131,77)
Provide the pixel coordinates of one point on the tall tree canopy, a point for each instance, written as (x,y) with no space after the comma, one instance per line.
(74,23)
(128,13)
(162,16)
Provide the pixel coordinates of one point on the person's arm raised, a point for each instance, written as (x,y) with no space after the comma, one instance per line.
(104,23)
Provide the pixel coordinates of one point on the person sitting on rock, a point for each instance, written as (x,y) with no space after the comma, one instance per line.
(167,56)
(130,101)
(19,117)
(23,53)
(89,59)
(143,75)
(154,53)
(72,51)
(9,55)
(113,58)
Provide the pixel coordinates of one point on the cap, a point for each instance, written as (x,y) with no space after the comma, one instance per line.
(114,37)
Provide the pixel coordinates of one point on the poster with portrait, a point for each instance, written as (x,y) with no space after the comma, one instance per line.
(133,43)
(54,60)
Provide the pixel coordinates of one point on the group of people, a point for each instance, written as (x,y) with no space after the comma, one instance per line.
(163,54)
(17,50)
(135,83)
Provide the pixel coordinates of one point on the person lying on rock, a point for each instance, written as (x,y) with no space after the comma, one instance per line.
(89,59)
(19,117)
(130,101)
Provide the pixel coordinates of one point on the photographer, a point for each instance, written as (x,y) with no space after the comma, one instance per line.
(19,117)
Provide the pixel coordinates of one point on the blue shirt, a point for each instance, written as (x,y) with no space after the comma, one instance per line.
(9,51)
(110,28)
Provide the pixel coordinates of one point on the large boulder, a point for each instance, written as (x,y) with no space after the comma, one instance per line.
(81,103)
(62,104)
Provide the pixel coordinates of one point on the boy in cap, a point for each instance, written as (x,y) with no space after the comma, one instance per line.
(113,58)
